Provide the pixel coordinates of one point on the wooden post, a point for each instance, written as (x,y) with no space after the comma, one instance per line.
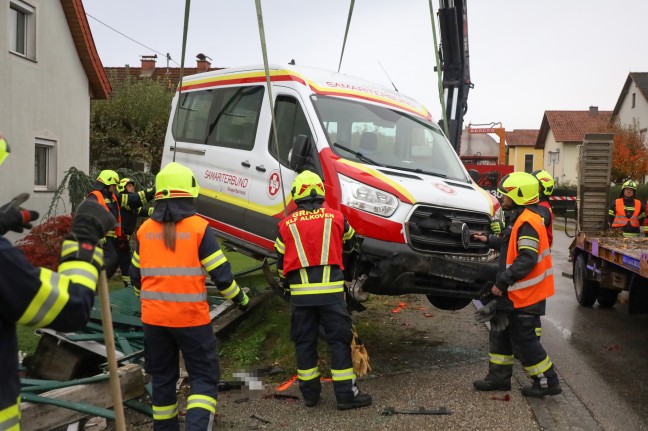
(109,338)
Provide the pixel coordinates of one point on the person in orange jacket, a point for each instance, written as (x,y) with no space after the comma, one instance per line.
(626,213)
(174,250)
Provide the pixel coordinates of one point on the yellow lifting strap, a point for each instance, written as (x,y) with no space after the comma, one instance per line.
(359,355)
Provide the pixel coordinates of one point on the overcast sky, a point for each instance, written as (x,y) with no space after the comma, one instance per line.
(526,56)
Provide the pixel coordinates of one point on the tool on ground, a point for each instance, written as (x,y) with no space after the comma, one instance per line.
(389,411)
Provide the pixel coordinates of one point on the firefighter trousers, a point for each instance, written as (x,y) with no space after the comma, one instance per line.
(10,386)
(124,256)
(198,344)
(305,330)
(519,340)
(111,258)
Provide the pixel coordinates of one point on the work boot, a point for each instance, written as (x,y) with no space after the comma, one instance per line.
(487,384)
(540,390)
(360,400)
(311,402)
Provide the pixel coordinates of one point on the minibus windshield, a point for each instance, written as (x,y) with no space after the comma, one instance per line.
(386,137)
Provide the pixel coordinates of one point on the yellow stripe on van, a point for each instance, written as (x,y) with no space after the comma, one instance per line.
(382,177)
(487,196)
(244,203)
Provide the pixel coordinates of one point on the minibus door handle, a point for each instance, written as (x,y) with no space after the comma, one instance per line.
(261,168)
(246,164)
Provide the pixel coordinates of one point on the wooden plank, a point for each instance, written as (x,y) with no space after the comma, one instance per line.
(37,417)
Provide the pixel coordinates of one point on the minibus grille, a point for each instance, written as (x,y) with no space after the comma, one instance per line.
(434,229)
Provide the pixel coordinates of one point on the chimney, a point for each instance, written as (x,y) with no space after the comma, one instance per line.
(593,111)
(202,63)
(148,65)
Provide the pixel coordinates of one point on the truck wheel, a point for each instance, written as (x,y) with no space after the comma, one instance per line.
(586,290)
(607,297)
(448,302)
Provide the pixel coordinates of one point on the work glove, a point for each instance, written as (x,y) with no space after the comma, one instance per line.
(486,313)
(90,223)
(15,218)
(497,227)
(150,194)
(499,321)
(150,211)
(244,305)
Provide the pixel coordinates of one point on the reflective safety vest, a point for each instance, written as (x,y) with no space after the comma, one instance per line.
(547,205)
(173,282)
(539,283)
(620,218)
(102,201)
(312,238)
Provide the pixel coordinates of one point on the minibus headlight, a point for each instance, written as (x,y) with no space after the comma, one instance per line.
(366,198)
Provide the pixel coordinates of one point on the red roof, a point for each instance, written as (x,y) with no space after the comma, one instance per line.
(85,46)
(571,126)
(522,137)
(170,75)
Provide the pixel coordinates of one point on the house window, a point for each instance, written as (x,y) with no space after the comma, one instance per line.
(45,165)
(528,163)
(22,29)
(634,99)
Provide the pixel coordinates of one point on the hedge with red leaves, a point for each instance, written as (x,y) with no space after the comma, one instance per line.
(42,245)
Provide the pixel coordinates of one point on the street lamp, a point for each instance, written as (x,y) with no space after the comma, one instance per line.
(554,157)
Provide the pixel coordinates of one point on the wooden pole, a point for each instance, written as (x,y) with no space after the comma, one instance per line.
(109,338)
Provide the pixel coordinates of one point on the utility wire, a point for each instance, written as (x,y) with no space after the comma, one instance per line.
(130,38)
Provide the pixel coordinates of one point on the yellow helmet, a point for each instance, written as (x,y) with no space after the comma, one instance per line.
(521,187)
(123,183)
(175,181)
(546,181)
(108,177)
(4,150)
(307,185)
(630,184)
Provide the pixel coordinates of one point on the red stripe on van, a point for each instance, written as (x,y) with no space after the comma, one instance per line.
(246,236)
(249,80)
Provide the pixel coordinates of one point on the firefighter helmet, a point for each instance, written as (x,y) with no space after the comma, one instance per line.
(4,150)
(108,177)
(546,181)
(630,184)
(121,187)
(521,187)
(176,181)
(307,185)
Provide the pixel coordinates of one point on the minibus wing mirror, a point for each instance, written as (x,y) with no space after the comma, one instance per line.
(298,160)
(474,175)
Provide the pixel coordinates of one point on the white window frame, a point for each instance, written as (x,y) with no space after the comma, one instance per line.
(29,36)
(50,165)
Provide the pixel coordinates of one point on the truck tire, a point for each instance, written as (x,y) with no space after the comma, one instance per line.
(607,297)
(448,302)
(586,290)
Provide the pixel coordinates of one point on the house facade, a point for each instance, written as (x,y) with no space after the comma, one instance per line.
(560,134)
(522,153)
(632,105)
(49,71)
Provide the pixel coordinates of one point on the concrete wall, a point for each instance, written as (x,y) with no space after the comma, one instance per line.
(517,155)
(45,98)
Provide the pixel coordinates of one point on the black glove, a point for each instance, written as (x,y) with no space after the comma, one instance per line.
(91,222)
(150,194)
(15,219)
(245,303)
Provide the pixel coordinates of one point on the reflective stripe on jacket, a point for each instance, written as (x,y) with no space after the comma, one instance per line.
(538,284)
(173,282)
(102,201)
(621,218)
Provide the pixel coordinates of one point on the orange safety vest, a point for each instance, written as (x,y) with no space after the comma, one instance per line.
(173,282)
(620,218)
(539,283)
(102,200)
(312,238)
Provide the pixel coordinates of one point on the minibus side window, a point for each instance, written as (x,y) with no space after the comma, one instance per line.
(291,122)
(190,124)
(234,117)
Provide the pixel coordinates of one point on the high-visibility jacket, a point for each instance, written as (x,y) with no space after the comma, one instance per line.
(104,202)
(621,216)
(538,284)
(549,225)
(173,289)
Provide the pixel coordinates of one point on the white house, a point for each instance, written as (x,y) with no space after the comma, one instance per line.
(632,106)
(49,71)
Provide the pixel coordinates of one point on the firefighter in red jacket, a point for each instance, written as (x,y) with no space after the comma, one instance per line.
(546,190)
(309,248)
(518,298)
(175,248)
(38,297)
(626,213)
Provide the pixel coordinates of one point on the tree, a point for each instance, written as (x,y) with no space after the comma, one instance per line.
(630,157)
(128,129)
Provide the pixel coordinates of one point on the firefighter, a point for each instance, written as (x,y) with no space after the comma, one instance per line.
(518,297)
(626,212)
(309,247)
(38,297)
(125,194)
(546,190)
(173,248)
